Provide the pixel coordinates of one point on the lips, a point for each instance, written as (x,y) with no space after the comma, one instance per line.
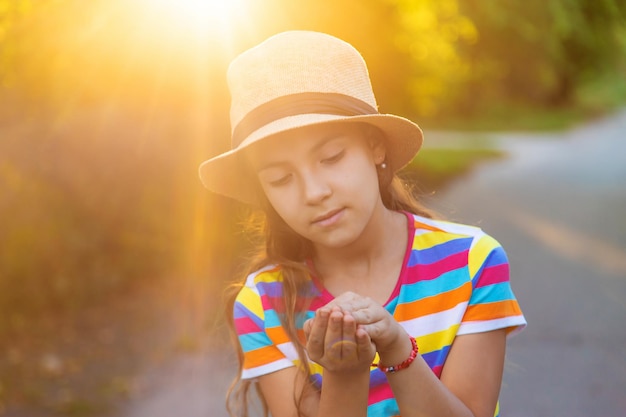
(328,218)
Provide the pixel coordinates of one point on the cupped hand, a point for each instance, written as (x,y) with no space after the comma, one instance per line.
(373,318)
(336,342)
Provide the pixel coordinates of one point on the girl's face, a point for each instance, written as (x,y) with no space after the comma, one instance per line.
(322,181)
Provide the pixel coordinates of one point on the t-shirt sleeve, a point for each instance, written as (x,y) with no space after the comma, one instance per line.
(492,304)
(261,355)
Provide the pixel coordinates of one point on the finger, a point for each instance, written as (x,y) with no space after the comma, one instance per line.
(365,346)
(383,333)
(374,330)
(317,333)
(334,334)
(365,315)
(307,326)
(357,304)
(349,346)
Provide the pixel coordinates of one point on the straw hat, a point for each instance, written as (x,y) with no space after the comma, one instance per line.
(292,80)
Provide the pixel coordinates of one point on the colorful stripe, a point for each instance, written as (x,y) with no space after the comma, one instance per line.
(455,281)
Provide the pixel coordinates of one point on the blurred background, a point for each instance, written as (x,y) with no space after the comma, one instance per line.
(113,258)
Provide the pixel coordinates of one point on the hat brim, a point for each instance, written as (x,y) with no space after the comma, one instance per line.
(225,173)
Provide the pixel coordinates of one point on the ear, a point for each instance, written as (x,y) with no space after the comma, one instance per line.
(376,142)
(378,150)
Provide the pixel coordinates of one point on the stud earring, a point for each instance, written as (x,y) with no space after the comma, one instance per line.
(383,165)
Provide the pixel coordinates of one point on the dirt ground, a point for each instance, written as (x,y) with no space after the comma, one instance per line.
(93,363)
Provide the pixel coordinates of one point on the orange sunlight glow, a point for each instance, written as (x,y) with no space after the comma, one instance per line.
(196,38)
(218,17)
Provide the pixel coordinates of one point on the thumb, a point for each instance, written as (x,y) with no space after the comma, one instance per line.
(306,327)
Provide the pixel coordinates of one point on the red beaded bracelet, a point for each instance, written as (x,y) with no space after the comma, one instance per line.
(403,365)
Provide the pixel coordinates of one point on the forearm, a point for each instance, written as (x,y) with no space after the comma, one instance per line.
(344,394)
(419,392)
(470,380)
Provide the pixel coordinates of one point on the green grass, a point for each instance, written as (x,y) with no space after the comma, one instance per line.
(451,161)
(434,168)
(598,96)
(515,117)
(604,93)
(80,408)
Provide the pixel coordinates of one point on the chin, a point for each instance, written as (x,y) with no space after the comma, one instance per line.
(336,242)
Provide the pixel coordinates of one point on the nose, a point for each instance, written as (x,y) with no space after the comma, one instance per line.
(315,187)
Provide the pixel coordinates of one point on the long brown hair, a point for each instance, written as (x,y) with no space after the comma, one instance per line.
(275,243)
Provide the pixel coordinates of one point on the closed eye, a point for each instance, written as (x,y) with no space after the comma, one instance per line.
(334,158)
(280,181)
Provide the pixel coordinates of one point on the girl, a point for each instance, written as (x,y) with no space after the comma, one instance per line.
(359,304)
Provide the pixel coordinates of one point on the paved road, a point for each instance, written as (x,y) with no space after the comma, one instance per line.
(558,205)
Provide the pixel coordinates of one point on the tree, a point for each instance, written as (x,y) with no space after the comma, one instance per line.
(541,51)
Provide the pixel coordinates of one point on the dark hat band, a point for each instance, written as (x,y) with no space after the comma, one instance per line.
(297,104)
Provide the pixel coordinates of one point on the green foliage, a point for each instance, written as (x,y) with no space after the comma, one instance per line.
(428,59)
(451,162)
(433,168)
(540,52)
(98,203)
(94,211)
(432,33)
(435,60)
(105,116)
(11,13)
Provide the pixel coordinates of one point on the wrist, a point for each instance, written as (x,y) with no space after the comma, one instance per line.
(347,372)
(396,351)
(399,359)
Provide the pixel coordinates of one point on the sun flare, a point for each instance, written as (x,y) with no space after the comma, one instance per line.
(218,17)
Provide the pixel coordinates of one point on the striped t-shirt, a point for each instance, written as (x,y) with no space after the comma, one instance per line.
(454,281)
